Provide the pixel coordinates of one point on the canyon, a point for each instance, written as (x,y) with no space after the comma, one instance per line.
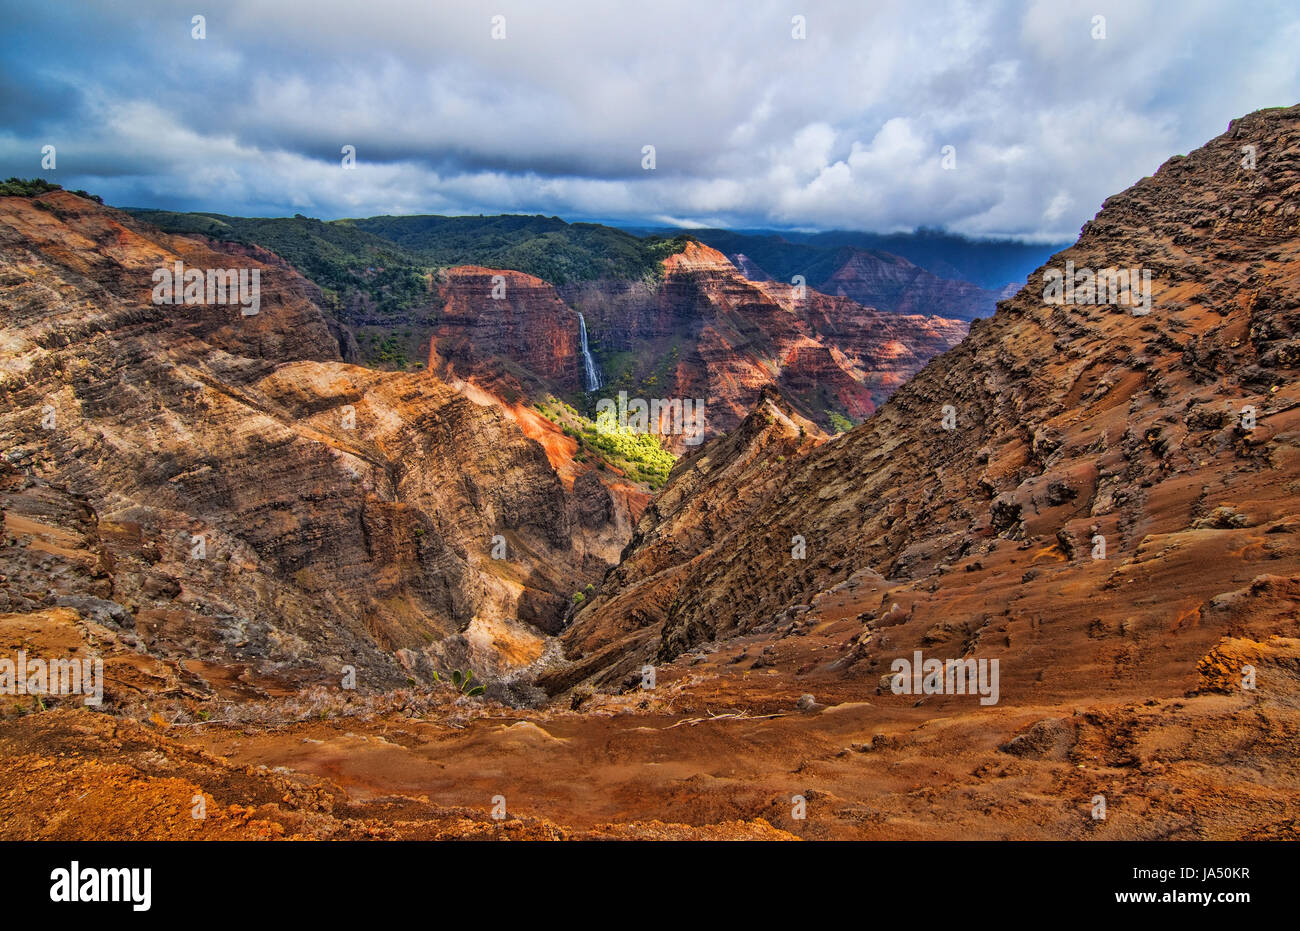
(1104,503)
(705,331)
(348,516)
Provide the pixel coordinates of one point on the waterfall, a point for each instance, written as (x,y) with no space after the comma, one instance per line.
(590,374)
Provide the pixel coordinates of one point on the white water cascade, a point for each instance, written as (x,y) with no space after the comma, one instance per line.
(591,374)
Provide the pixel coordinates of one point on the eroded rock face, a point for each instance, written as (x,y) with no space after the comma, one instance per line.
(716,336)
(727,482)
(488,313)
(256,503)
(1079,431)
(728,337)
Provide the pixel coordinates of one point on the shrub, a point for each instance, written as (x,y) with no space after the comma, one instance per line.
(18,187)
(839,422)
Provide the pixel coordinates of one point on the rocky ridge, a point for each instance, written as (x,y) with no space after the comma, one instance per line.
(254,500)
(1072,423)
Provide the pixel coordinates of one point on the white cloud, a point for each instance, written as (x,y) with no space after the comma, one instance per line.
(751,127)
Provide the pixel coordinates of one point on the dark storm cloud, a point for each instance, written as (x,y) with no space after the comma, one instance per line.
(31,103)
(751,127)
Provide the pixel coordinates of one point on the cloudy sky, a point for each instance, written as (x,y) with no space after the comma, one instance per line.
(752,127)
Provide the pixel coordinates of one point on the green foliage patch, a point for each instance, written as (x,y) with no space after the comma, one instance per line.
(640,456)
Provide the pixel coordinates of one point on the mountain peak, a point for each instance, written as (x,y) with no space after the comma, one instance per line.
(698,257)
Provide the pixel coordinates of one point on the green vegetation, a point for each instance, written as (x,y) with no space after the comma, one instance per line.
(387,350)
(463,682)
(641,373)
(547,247)
(19,187)
(344,261)
(30,187)
(640,456)
(841,423)
(390,258)
(643,451)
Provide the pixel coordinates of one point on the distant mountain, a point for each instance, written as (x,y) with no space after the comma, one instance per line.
(929,273)
(991,264)
(892,283)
